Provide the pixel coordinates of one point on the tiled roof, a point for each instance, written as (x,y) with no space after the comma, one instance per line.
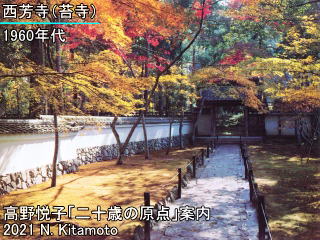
(33,126)
(220,94)
(65,123)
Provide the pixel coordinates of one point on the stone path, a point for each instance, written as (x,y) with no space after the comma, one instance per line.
(220,186)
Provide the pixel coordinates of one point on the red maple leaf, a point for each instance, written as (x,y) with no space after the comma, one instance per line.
(234,59)
(202,10)
(154,42)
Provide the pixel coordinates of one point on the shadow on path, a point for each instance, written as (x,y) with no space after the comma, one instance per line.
(219,186)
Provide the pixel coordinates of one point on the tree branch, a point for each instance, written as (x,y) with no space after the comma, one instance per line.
(37,74)
(309,2)
(176,58)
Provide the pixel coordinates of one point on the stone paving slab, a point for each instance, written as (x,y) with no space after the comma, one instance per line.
(220,185)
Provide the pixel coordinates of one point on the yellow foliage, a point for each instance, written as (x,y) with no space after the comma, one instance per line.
(235,83)
(180,90)
(303,100)
(302,39)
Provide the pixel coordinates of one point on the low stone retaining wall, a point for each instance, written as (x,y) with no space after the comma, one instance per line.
(25,179)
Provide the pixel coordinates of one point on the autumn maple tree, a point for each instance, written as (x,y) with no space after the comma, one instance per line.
(106,67)
(293,73)
(118,66)
(290,72)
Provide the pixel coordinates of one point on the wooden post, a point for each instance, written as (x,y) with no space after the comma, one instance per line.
(262,199)
(179,182)
(208,150)
(242,150)
(279,126)
(251,184)
(246,121)
(245,167)
(255,186)
(147,225)
(261,220)
(202,156)
(214,120)
(194,163)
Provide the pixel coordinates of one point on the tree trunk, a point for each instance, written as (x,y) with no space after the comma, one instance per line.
(146,145)
(193,60)
(180,131)
(147,62)
(167,105)
(18,104)
(59,69)
(298,131)
(55,121)
(314,134)
(170,136)
(56,149)
(116,135)
(37,56)
(161,73)
(160,100)
(123,147)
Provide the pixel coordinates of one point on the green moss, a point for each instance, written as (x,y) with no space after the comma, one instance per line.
(291,188)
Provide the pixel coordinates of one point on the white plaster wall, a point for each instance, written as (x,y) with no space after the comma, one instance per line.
(271,125)
(22,152)
(287,125)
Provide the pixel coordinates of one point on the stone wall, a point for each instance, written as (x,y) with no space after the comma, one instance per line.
(25,179)
(108,152)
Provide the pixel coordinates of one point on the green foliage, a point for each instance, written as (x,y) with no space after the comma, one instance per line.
(16,95)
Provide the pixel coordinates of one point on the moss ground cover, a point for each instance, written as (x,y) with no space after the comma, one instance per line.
(291,188)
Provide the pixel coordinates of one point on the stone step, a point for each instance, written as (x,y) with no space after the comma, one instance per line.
(229,139)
